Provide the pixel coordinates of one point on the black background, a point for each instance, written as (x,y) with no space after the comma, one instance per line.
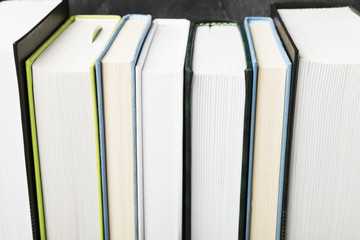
(190,9)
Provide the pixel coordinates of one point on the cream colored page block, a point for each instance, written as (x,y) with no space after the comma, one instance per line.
(267,153)
(268,132)
(266,49)
(118,110)
(119,149)
(122,50)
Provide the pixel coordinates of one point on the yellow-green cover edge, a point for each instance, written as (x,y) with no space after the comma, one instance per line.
(29,78)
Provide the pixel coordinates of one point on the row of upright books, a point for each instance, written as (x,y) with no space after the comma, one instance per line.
(133,128)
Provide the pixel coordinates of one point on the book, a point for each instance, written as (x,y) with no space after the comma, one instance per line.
(139,154)
(24,26)
(217,100)
(159,101)
(115,81)
(269,117)
(64,127)
(321,40)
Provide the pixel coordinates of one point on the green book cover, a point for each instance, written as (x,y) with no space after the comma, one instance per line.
(188,75)
(29,77)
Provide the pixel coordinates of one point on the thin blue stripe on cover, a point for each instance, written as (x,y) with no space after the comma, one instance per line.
(252,127)
(252,124)
(101,116)
(133,89)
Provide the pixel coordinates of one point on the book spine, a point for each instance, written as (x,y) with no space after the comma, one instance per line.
(252,124)
(246,135)
(98,72)
(188,74)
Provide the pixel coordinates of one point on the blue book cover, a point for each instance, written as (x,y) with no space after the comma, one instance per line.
(101,115)
(252,126)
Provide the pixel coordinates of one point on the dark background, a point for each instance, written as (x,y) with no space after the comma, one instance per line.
(190,9)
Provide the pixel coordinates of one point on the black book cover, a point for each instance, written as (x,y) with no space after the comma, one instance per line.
(293,54)
(23,48)
(188,74)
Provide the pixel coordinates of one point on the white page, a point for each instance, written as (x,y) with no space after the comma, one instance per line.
(139,139)
(162,114)
(323,198)
(64,111)
(217,120)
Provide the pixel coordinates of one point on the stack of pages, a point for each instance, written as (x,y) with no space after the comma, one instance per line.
(323,162)
(63,111)
(160,81)
(217,122)
(115,81)
(270,107)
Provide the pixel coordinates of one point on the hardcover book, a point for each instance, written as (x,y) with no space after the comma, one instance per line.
(159,109)
(217,104)
(64,127)
(321,40)
(269,120)
(115,81)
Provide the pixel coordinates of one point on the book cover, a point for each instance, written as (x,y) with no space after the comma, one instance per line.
(101,117)
(188,73)
(29,63)
(253,116)
(138,87)
(23,48)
